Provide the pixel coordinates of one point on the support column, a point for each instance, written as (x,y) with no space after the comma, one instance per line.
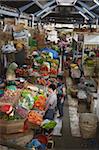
(97,23)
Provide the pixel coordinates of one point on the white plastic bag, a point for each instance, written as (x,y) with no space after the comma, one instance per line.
(81,94)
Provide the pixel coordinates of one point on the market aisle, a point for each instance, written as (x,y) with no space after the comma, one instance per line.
(67,141)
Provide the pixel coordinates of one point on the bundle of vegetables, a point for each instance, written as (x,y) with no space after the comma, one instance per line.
(39,60)
(44,68)
(6,108)
(35,118)
(27,102)
(10,96)
(22,112)
(49,125)
(90,63)
(8,118)
(40,103)
(45,74)
(43,81)
(34,73)
(54,65)
(21,72)
(7,112)
(53,71)
(49,60)
(25,92)
(11,87)
(73,65)
(55,61)
(19,46)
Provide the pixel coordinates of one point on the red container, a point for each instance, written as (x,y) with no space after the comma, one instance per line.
(42,139)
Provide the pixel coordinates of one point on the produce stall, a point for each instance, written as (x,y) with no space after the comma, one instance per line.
(23,93)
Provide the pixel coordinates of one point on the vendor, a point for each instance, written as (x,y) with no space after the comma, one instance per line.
(51,102)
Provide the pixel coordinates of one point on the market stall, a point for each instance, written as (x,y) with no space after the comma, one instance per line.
(23,93)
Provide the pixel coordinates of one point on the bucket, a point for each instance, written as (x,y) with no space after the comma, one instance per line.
(42,139)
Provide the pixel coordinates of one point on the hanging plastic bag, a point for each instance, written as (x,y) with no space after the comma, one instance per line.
(9,48)
(75,73)
(82,94)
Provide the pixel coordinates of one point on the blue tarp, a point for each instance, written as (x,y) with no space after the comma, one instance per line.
(55,54)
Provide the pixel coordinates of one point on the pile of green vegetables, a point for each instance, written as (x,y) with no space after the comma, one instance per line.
(49,125)
(9,118)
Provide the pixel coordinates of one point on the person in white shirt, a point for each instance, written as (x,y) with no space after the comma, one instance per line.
(51,102)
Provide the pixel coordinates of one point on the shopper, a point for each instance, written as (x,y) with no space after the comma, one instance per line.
(51,103)
(60,95)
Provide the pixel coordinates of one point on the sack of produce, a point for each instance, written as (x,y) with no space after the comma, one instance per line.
(73,92)
(72,102)
(88,125)
(89,71)
(75,73)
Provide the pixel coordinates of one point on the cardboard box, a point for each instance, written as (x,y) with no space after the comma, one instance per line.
(19,139)
(8,127)
(9,21)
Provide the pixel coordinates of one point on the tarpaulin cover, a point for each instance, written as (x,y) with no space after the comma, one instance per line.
(55,54)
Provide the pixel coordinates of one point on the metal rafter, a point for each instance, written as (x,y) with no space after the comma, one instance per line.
(66,2)
(49,4)
(94,7)
(12,13)
(81,12)
(87,9)
(96,1)
(46,8)
(23,8)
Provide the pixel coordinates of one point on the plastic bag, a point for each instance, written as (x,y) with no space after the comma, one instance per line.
(75,73)
(81,94)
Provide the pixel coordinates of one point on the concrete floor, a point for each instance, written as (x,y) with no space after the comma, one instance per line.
(68,142)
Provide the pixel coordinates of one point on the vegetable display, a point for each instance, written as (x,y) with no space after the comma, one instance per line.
(40,103)
(35,118)
(10,96)
(53,71)
(25,92)
(21,72)
(49,125)
(44,82)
